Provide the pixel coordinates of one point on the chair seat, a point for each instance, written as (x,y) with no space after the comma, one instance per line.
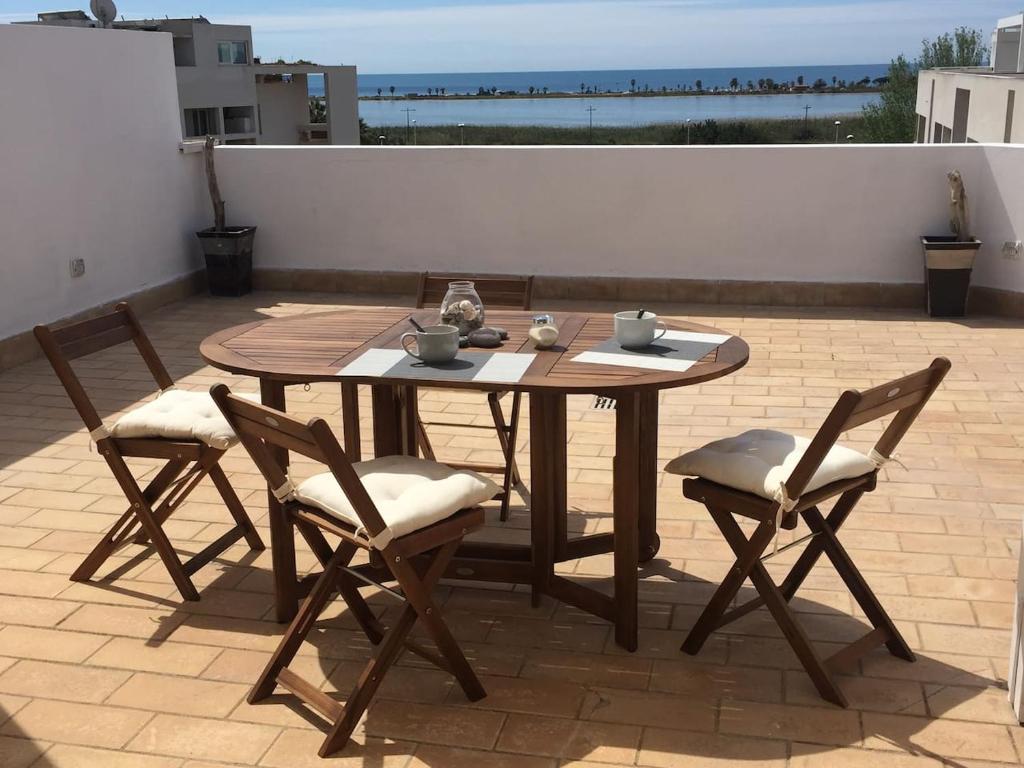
(760,460)
(410,493)
(177,414)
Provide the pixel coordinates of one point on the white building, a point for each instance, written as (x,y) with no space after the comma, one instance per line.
(976,104)
(225,92)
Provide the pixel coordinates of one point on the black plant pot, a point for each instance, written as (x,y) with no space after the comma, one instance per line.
(228,259)
(948,264)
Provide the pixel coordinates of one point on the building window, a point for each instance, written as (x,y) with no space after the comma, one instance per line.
(201,122)
(239,120)
(234,52)
(184,52)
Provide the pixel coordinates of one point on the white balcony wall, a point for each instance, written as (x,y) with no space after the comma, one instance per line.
(90,168)
(998,209)
(816,214)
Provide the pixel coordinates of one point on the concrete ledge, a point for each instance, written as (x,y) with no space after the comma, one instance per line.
(23,347)
(791,294)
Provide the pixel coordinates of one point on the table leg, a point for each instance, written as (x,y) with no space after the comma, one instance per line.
(547,485)
(350,421)
(626,526)
(648,480)
(282,537)
(394,420)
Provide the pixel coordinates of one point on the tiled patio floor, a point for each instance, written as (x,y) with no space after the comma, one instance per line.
(123,674)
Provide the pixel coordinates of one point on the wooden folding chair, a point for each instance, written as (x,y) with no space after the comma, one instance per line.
(416,559)
(496,293)
(174,482)
(905,398)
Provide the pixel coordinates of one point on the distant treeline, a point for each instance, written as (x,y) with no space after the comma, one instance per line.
(761,86)
(760,131)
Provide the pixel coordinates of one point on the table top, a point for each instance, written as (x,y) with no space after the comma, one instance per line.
(307,348)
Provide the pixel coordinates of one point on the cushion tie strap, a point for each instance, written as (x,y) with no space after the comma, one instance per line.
(880,461)
(786,505)
(285,492)
(379,541)
(100,433)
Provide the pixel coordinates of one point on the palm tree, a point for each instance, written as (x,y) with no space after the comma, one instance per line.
(750,85)
(734,84)
(800,80)
(392,89)
(531,89)
(760,84)
(834,80)
(583,87)
(700,85)
(632,84)
(545,89)
(379,92)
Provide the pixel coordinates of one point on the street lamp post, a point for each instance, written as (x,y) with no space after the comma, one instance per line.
(591,110)
(838,123)
(408,122)
(688,121)
(462,133)
(414,140)
(381,139)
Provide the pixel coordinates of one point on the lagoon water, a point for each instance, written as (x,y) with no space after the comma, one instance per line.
(609,111)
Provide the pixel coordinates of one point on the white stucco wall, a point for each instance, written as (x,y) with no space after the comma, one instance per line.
(810,213)
(90,167)
(998,208)
(284,106)
(987,117)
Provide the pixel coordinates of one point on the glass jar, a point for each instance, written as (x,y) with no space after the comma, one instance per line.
(462,307)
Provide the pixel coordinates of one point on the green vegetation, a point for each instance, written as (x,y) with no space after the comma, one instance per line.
(894,119)
(788,131)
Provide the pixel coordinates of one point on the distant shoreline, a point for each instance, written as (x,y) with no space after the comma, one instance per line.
(608,95)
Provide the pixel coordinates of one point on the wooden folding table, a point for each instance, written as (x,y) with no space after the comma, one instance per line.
(314,348)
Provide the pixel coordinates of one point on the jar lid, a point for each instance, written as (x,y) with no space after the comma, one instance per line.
(544,319)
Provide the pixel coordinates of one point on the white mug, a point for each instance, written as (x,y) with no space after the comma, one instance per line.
(637,332)
(435,344)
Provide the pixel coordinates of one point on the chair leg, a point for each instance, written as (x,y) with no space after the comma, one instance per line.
(730,586)
(303,622)
(858,587)
(775,601)
(425,447)
(417,592)
(345,585)
(507,435)
(234,505)
(420,606)
(150,525)
(118,535)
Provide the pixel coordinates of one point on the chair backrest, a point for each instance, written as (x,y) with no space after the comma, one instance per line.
(68,342)
(262,430)
(495,292)
(904,397)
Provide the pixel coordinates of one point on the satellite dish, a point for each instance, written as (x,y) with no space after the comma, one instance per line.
(104,10)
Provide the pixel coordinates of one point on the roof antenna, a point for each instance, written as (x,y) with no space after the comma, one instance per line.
(104,10)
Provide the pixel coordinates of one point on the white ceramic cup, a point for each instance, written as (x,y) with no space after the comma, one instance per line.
(435,344)
(636,332)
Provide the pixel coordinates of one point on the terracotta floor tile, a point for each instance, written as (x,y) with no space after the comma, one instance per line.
(205,739)
(943,738)
(19,752)
(452,726)
(144,656)
(179,695)
(89,725)
(792,723)
(298,749)
(565,738)
(68,756)
(66,682)
(430,756)
(686,749)
(48,644)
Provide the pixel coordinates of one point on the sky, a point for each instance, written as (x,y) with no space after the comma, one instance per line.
(397,36)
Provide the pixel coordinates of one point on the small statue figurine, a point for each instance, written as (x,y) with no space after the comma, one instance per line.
(958,221)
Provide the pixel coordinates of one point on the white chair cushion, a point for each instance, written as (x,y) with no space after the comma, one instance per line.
(177,414)
(760,460)
(410,493)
